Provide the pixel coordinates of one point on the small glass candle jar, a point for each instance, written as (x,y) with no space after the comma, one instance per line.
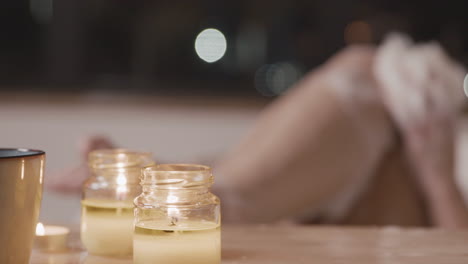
(107,204)
(177,218)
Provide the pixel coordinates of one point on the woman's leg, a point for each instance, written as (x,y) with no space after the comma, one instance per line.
(392,196)
(312,149)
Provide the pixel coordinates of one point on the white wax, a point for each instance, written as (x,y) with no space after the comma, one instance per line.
(107,228)
(177,245)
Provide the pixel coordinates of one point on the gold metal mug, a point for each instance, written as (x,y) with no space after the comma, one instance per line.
(21,177)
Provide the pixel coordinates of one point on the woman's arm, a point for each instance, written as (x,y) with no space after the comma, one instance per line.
(423,90)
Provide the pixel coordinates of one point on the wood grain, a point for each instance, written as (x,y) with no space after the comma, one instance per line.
(321,245)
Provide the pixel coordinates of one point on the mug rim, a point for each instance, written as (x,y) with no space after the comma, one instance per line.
(35,153)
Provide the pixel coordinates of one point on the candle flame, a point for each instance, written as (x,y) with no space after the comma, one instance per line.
(121,179)
(122,188)
(40,231)
(173,212)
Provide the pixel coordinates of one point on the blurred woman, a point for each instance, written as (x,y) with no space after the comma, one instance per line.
(367,138)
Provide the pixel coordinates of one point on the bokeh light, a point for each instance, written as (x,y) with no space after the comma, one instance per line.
(358,32)
(40,230)
(41,10)
(210,45)
(274,79)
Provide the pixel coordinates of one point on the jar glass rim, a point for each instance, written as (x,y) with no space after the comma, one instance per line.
(119,158)
(178,168)
(177,175)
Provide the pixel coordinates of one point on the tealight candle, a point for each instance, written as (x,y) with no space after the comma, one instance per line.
(51,238)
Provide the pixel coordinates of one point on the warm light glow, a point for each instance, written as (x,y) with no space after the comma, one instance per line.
(173,212)
(40,231)
(41,175)
(210,45)
(22,169)
(122,188)
(121,179)
(172,199)
(358,32)
(122,160)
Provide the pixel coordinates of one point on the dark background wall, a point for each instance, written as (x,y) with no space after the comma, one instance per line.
(148,46)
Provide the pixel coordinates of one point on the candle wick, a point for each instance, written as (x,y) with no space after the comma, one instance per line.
(174,221)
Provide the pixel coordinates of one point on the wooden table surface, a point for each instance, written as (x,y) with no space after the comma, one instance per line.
(317,244)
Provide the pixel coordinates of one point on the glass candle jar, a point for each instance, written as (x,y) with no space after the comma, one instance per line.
(107,204)
(177,218)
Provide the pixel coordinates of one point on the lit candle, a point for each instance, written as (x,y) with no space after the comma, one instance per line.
(177,219)
(107,204)
(51,238)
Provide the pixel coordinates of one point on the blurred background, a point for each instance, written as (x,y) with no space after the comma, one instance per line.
(184,79)
(148,47)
